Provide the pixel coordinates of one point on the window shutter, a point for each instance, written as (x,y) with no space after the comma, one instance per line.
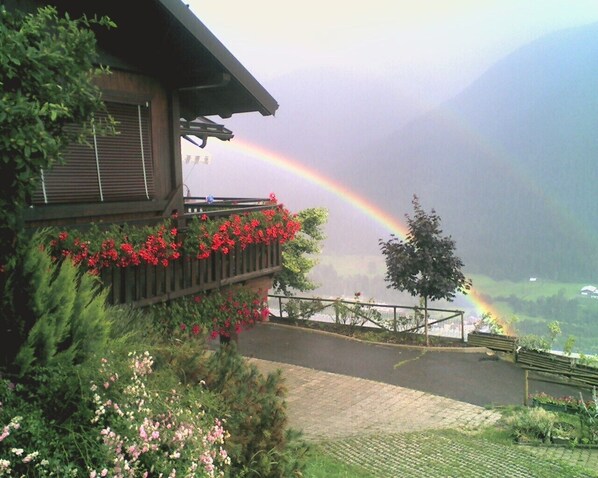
(111,168)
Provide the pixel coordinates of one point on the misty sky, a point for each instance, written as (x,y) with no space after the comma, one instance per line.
(426,51)
(435,47)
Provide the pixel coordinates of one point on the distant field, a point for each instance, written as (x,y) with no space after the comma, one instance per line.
(533,303)
(526,290)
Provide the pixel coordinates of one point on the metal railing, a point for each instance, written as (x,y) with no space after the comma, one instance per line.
(224,206)
(359,314)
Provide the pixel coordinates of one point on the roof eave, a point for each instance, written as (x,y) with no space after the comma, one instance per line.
(265,103)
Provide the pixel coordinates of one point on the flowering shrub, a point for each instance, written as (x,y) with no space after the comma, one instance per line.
(153,432)
(133,422)
(219,313)
(565,402)
(120,246)
(124,246)
(29,441)
(206,235)
(18,459)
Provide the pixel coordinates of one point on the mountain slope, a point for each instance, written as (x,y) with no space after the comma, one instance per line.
(509,164)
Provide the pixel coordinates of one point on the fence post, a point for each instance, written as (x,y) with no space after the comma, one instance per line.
(394,319)
(526,387)
(280,307)
(462,328)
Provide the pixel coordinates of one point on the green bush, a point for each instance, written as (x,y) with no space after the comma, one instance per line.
(253,405)
(531,424)
(588,415)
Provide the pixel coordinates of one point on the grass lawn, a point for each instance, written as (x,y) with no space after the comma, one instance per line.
(446,453)
(324,465)
(524,289)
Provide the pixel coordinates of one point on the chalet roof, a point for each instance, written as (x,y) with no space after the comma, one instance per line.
(165,39)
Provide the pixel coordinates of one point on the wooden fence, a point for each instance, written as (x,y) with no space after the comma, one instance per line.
(501,343)
(539,366)
(553,368)
(147,284)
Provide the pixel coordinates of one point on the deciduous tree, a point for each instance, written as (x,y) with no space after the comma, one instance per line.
(299,255)
(424,264)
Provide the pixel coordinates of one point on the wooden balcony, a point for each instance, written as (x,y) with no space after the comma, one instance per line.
(146,284)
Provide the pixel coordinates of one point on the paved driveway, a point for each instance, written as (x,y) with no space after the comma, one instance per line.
(384,408)
(467,375)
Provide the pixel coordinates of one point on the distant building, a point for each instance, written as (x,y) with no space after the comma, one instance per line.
(589,291)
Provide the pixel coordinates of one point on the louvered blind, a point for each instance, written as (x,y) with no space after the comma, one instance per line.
(110,168)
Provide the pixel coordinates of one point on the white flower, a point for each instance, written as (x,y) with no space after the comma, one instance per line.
(31,457)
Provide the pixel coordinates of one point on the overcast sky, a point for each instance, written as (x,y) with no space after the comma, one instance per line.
(427,50)
(421,41)
(423,50)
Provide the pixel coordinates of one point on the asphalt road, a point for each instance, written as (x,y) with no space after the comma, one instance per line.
(472,377)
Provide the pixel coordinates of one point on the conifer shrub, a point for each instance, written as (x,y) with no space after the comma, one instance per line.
(65,320)
(253,405)
(63,323)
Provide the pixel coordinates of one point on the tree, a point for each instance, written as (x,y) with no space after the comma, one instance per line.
(298,255)
(47,67)
(425,264)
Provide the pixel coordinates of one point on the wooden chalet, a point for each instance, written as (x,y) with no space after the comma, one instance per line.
(169,74)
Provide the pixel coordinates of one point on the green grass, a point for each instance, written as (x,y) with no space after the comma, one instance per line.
(524,289)
(449,453)
(322,465)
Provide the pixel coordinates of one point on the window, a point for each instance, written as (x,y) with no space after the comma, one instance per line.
(111,168)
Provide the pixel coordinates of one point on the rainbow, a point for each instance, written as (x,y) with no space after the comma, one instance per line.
(349,196)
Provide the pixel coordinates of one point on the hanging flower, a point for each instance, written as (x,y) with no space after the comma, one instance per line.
(125,246)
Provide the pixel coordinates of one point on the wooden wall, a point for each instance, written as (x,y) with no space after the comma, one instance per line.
(127,86)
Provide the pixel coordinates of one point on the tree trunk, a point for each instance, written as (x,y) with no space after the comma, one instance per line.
(426,320)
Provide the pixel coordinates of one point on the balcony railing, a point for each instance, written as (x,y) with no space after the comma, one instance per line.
(146,284)
(223,206)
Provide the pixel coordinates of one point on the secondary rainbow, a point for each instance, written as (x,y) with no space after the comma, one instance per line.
(356,201)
